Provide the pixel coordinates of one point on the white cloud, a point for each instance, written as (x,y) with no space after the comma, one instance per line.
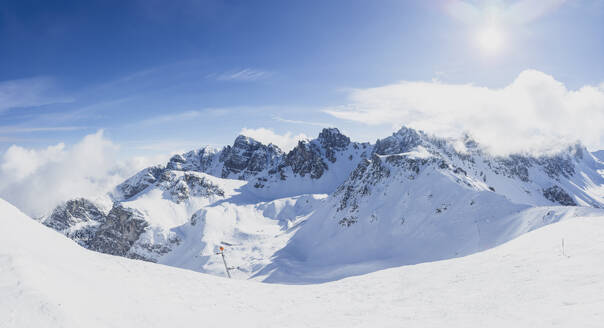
(246,74)
(176,117)
(286,141)
(36,180)
(28,92)
(23,129)
(277,118)
(535,113)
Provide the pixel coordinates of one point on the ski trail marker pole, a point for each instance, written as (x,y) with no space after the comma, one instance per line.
(226,268)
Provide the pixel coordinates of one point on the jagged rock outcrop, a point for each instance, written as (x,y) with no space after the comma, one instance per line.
(407,153)
(139,182)
(190,184)
(177,185)
(400,142)
(244,159)
(248,157)
(557,195)
(305,159)
(402,182)
(313,158)
(113,233)
(78,219)
(118,233)
(332,140)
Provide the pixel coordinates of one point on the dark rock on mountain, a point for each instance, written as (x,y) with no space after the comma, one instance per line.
(356,176)
(247,157)
(558,195)
(112,233)
(141,181)
(187,185)
(332,140)
(200,160)
(73,212)
(402,141)
(305,159)
(78,212)
(116,236)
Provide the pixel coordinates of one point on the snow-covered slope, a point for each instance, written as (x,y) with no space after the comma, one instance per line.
(332,207)
(419,199)
(46,280)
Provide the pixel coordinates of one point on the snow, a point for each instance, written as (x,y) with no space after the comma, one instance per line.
(405,221)
(408,199)
(46,280)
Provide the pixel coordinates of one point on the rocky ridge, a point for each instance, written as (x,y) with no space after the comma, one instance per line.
(359,177)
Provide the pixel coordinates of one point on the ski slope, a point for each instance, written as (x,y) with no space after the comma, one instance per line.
(47,280)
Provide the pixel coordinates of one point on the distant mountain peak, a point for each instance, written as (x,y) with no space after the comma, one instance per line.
(401,141)
(408,181)
(333,138)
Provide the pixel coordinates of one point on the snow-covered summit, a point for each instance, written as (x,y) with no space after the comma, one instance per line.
(332,200)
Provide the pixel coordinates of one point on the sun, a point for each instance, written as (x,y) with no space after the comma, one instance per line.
(490,39)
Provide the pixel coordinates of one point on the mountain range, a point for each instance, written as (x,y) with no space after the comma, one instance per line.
(331,207)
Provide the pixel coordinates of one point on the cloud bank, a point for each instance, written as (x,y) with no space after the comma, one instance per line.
(535,113)
(36,180)
(286,141)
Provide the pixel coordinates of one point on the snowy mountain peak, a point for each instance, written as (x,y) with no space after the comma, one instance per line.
(421,196)
(332,138)
(250,144)
(401,141)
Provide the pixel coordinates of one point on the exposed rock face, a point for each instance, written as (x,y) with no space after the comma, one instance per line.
(119,232)
(243,160)
(80,213)
(247,157)
(312,158)
(306,159)
(400,142)
(367,174)
(112,233)
(332,140)
(73,212)
(177,186)
(181,188)
(558,195)
(356,175)
(407,153)
(141,181)
(515,166)
(197,160)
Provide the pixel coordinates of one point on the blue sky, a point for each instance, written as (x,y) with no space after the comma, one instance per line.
(158,76)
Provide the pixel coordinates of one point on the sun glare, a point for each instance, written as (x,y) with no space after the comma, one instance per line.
(490,39)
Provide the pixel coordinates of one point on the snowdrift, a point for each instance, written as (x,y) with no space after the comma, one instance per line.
(47,280)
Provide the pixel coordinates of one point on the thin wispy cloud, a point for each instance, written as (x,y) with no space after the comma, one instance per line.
(30,92)
(176,117)
(284,120)
(20,129)
(535,113)
(246,74)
